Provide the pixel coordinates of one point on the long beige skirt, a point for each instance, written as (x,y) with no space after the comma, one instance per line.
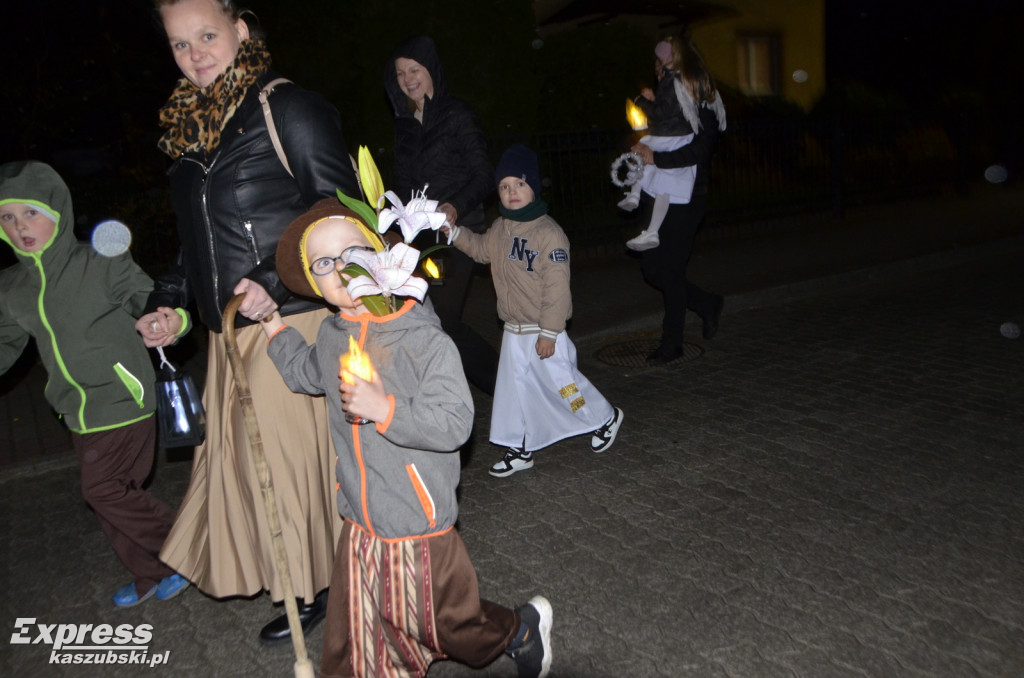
(220,540)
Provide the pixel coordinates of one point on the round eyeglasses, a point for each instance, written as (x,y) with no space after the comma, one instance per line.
(325,265)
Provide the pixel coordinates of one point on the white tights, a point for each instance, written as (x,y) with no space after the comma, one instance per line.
(658,213)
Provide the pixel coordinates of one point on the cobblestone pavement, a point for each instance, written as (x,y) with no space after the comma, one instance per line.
(832,489)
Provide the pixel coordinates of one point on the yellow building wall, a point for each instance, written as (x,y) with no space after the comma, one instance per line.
(799,26)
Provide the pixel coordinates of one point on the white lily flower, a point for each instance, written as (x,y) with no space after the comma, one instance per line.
(390,273)
(419,214)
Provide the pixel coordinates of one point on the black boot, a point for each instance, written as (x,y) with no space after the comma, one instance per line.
(278,631)
(711,320)
(665,353)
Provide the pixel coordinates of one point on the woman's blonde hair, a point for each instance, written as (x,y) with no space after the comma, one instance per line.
(691,70)
(230,9)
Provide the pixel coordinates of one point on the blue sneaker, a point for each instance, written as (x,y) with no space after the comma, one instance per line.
(127,596)
(170,587)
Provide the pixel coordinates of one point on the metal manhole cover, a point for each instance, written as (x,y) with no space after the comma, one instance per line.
(634,352)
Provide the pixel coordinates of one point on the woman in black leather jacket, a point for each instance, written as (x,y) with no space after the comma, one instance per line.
(439,144)
(233,198)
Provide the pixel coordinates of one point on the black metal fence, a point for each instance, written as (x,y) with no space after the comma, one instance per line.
(762,168)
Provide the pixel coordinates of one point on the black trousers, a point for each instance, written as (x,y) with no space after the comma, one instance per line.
(664,267)
(479,359)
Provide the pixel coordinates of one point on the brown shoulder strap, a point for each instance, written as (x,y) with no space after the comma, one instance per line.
(271,128)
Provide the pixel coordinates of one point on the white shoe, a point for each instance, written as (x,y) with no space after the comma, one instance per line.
(516,459)
(645,241)
(533,655)
(605,436)
(630,202)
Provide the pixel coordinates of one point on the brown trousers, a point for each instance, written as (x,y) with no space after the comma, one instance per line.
(114,464)
(395,607)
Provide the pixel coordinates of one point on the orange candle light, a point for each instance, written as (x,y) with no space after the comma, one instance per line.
(431,268)
(635,116)
(355,362)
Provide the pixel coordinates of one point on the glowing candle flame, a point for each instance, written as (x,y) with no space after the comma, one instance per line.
(431,268)
(635,116)
(355,362)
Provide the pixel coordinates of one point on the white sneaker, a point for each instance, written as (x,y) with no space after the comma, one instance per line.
(630,202)
(533,655)
(605,436)
(647,240)
(516,459)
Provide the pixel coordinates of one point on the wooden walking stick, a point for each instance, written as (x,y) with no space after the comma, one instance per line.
(303,666)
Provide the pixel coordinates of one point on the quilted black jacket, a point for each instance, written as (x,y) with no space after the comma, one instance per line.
(447,150)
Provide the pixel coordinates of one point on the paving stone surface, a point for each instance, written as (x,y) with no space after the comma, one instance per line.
(832,489)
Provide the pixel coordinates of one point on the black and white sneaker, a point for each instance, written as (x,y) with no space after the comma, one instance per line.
(605,436)
(516,459)
(532,654)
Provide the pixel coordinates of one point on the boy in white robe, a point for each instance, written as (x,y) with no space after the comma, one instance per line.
(540,396)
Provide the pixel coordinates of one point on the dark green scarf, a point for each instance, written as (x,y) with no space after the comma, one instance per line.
(535,209)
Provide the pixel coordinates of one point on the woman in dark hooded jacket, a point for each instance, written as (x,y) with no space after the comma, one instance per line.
(439,144)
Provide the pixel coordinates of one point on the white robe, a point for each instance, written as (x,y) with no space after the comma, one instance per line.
(542,401)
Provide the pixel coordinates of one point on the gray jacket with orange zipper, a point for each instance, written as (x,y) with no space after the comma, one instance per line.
(396,478)
(80,307)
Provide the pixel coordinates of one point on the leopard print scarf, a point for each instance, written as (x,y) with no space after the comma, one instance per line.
(194,118)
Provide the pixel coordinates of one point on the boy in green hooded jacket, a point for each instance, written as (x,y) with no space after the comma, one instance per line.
(80,307)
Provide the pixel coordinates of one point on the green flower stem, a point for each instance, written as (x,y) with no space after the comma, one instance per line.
(376,304)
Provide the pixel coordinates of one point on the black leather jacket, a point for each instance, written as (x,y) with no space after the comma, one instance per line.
(234,203)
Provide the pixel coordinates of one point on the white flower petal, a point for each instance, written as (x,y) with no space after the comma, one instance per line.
(385,219)
(418,214)
(405,255)
(364,258)
(414,287)
(394,199)
(361,286)
(389,272)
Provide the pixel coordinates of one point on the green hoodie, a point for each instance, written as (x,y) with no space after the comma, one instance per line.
(80,307)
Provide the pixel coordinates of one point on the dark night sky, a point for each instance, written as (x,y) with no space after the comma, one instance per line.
(918,48)
(68,61)
(92,75)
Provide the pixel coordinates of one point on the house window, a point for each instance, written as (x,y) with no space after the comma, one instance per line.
(757,60)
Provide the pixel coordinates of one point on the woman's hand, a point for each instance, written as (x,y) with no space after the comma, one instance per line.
(449,212)
(257,304)
(645,153)
(160,327)
(647,93)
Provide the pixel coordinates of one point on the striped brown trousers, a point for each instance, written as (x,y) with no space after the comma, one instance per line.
(396,606)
